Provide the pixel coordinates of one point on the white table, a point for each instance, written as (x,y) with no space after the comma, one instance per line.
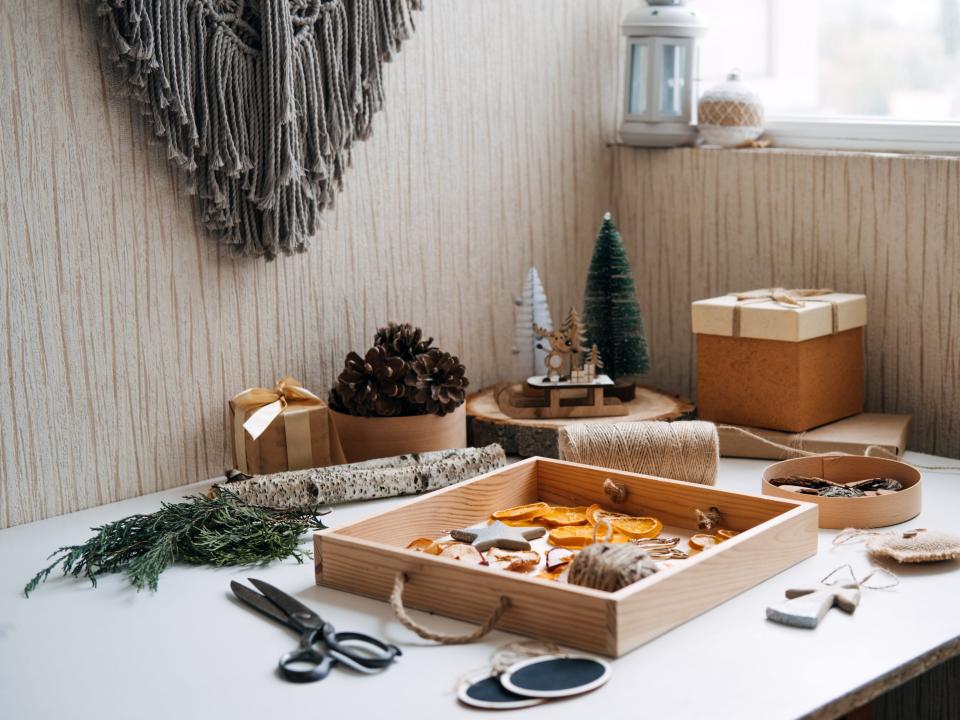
(190,651)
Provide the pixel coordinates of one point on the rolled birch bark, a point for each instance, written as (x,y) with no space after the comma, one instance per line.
(384,477)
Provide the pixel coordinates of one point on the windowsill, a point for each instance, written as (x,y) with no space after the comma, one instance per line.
(857,137)
(808,151)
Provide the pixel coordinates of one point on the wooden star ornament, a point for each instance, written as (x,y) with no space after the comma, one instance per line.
(498,534)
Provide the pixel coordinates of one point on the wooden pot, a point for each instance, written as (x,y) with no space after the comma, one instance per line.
(857,512)
(365,438)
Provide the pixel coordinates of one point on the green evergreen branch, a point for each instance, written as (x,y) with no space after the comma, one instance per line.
(218,531)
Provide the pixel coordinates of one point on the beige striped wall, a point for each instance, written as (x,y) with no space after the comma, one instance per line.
(705,222)
(123,330)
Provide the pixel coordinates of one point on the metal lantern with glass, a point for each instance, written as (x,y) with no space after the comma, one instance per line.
(659,107)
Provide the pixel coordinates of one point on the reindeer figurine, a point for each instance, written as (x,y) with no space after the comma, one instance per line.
(564,347)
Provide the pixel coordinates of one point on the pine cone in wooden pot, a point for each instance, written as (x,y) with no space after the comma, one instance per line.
(402,340)
(370,385)
(730,114)
(403,396)
(437,381)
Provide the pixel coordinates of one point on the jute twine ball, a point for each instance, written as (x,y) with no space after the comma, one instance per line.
(684,450)
(730,114)
(610,566)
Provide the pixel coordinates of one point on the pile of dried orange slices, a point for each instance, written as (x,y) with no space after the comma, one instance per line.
(568,530)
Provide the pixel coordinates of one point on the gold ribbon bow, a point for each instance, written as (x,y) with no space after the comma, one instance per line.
(792,298)
(287,397)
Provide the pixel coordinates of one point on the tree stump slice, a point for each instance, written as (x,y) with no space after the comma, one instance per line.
(487,424)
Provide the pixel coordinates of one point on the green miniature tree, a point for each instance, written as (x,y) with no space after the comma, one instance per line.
(611,311)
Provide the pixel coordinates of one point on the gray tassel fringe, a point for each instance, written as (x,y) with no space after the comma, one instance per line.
(259,101)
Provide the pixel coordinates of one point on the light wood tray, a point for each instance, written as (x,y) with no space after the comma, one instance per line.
(865,512)
(365,557)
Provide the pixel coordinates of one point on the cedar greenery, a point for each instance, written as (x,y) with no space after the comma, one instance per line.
(216,531)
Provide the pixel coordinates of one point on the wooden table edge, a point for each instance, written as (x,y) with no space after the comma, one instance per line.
(888,681)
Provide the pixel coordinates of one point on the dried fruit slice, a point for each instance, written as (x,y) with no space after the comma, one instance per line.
(463,552)
(577,536)
(516,560)
(702,541)
(433,547)
(560,516)
(638,527)
(596,512)
(557,558)
(726,534)
(521,512)
(523,523)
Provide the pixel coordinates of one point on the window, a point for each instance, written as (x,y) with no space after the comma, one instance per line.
(857,74)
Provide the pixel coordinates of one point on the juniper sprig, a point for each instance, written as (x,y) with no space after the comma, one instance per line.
(201,530)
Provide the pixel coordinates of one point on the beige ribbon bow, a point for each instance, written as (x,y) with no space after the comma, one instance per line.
(788,298)
(287,395)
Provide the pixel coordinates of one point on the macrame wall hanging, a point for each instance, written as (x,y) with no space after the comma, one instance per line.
(259,101)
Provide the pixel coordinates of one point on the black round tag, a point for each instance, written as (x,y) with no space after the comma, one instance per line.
(553,676)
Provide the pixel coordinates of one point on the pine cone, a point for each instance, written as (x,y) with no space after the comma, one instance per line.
(371,385)
(436,382)
(402,340)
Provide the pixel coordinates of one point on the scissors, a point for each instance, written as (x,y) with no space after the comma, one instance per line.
(321,646)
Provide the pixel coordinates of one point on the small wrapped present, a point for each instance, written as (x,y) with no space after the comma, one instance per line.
(852,435)
(286,428)
(781,359)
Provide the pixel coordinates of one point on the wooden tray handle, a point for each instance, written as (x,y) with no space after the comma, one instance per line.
(396,602)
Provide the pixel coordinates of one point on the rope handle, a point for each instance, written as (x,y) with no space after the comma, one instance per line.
(396,602)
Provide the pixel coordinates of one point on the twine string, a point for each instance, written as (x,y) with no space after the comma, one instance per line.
(396,602)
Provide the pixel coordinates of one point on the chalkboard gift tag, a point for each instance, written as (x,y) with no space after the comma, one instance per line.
(484,690)
(556,676)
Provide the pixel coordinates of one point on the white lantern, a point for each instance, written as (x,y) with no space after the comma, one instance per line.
(662,54)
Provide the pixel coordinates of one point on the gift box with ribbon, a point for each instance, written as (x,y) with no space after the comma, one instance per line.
(779,358)
(284,428)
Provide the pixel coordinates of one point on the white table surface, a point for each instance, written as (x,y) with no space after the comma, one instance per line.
(191,651)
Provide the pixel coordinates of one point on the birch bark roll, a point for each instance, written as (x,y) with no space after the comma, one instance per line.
(385,477)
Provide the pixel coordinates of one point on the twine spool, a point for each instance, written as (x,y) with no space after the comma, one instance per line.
(685,450)
(604,566)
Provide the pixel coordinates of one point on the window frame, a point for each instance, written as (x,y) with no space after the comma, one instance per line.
(864,134)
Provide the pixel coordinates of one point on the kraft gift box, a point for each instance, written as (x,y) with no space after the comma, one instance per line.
(786,360)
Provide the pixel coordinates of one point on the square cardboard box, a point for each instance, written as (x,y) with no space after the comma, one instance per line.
(366,557)
(777,384)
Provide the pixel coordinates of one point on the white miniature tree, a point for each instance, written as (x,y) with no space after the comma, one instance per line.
(532,308)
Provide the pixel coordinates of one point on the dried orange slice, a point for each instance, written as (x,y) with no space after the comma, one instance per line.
(559,516)
(577,536)
(702,541)
(596,512)
(726,534)
(521,512)
(523,523)
(637,527)
(547,575)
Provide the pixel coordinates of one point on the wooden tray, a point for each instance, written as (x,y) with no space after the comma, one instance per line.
(366,556)
(865,512)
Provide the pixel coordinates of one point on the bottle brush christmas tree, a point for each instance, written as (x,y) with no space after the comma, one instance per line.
(611,311)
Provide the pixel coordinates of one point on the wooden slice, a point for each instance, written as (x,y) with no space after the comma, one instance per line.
(487,424)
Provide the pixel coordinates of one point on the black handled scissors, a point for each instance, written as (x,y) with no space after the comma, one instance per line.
(309,662)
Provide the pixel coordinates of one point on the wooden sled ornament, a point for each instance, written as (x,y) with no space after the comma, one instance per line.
(540,398)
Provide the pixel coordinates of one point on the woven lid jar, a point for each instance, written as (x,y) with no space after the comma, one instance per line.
(730,114)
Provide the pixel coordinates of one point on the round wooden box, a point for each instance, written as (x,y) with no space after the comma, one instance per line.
(365,438)
(865,512)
